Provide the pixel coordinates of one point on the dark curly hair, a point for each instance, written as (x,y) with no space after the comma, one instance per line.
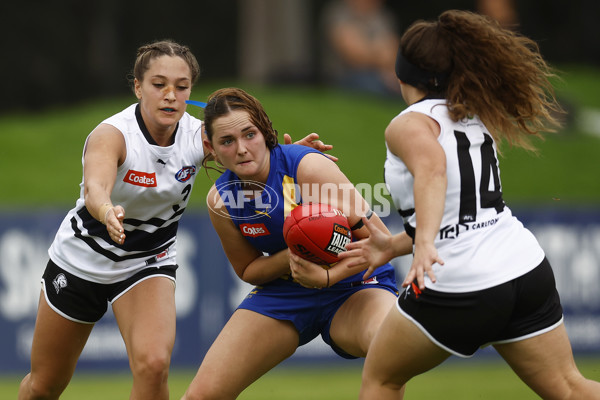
(493,72)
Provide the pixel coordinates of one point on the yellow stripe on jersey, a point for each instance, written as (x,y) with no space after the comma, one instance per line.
(289,195)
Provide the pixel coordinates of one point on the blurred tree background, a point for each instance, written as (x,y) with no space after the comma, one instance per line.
(63,51)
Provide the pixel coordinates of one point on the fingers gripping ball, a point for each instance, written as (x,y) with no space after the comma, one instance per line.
(317,232)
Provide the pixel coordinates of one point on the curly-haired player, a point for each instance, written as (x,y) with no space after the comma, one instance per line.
(478,277)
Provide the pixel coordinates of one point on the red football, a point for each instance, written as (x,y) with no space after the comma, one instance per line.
(317,232)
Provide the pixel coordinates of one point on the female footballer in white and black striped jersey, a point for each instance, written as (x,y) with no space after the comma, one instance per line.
(478,277)
(138,170)
(118,244)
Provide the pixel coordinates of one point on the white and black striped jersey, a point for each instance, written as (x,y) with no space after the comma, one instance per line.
(153,186)
(481,242)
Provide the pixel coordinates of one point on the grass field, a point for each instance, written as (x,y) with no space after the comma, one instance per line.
(456,380)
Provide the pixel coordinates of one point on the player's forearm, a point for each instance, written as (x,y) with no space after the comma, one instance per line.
(402,244)
(97,202)
(267,268)
(430,195)
(341,270)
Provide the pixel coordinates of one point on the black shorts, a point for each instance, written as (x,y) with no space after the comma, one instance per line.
(461,323)
(84,301)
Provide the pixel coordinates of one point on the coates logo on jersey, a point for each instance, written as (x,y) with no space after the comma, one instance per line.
(254,230)
(185,173)
(145,179)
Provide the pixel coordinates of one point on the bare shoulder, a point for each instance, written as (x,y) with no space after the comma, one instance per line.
(106,136)
(106,132)
(411,123)
(315,168)
(408,129)
(106,141)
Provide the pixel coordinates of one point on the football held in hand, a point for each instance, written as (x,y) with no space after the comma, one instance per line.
(317,232)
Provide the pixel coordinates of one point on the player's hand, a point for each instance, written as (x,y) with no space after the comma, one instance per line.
(307,273)
(114,224)
(311,140)
(424,257)
(373,251)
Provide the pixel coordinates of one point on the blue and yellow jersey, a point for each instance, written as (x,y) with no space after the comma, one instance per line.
(259,214)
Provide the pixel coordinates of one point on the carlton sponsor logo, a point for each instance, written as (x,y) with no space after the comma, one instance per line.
(138,178)
(254,230)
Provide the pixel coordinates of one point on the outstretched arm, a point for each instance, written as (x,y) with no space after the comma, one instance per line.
(377,249)
(104,151)
(414,138)
(311,140)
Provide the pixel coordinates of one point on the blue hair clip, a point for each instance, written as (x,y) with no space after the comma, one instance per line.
(200,104)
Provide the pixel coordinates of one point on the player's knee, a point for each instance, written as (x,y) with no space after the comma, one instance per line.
(202,395)
(581,388)
(388,386)
(189,395)
(40,389)
(151,366)
(205,388)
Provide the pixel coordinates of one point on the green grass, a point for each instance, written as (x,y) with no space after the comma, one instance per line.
(456,379)
(40,158)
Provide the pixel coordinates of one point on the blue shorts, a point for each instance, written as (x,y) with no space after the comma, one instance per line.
(311,310)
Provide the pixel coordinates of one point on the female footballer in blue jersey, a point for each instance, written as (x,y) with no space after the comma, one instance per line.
(294,301)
